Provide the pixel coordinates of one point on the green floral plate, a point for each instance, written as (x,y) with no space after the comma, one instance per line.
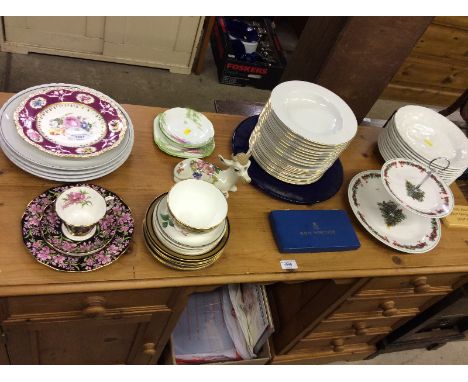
(169,147)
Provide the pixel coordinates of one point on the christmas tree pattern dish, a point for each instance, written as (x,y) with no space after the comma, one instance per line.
(416,188)
(414,192)
(386,220)
(391,213)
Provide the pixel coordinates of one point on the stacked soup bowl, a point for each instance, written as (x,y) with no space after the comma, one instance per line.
(301,132)
(187,228)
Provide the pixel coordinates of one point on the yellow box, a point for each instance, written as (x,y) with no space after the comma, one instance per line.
(458,218)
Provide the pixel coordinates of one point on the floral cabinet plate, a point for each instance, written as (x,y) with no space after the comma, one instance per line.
(70,122)
(44,240)
(388,221)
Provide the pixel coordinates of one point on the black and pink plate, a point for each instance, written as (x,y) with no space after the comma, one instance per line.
(42,234)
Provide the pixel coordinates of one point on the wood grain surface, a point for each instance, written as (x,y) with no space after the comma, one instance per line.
(251,254)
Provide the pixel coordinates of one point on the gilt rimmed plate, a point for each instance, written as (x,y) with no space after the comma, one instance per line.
(323,189)
(313,112)
(173,259)
(401,178)
(192,243)
(38,160)
(70,122)
(48,256)
(386,220)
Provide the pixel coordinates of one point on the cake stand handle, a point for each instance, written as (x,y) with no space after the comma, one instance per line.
(431,170)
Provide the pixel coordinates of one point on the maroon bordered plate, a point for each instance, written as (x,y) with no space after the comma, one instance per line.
(70,122)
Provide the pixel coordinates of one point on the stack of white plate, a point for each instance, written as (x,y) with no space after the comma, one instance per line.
(64,132)
(423,135)
(301,132)
(184,133)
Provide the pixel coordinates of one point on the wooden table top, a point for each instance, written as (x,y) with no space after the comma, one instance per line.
(251,254)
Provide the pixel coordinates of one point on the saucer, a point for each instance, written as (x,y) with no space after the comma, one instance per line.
(68,261)
(53,235)
(323,189)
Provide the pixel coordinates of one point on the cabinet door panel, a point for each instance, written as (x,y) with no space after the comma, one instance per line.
(79,34)
(84,341)
(165,40)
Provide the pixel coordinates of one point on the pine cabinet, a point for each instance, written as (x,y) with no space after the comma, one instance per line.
(125,327)
(327,320)
(335,306)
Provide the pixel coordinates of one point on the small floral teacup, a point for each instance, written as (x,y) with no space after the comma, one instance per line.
(80,209)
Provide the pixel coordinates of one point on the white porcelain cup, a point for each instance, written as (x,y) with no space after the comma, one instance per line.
(80,209)
(196,205)
(250,47)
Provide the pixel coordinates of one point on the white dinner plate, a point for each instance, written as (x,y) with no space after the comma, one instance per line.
(313,112)
(431,135)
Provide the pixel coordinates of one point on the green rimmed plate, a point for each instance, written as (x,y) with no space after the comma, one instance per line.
(169,147)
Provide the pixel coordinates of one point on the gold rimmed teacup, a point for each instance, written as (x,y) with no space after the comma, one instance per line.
(148,226)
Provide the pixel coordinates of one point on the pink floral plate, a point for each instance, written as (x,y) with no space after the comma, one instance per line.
(118,225)
(70,122)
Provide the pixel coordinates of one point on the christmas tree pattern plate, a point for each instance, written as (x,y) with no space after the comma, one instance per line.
(386,220)
(42,239)
(416,188)
(70,122)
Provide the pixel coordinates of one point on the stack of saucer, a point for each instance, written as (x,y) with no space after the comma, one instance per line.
(301,132)
(424,136)
(66,133)
(187,235)
(184,133)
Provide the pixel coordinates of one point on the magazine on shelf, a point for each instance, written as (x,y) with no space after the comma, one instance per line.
(253,314)
(230,323)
